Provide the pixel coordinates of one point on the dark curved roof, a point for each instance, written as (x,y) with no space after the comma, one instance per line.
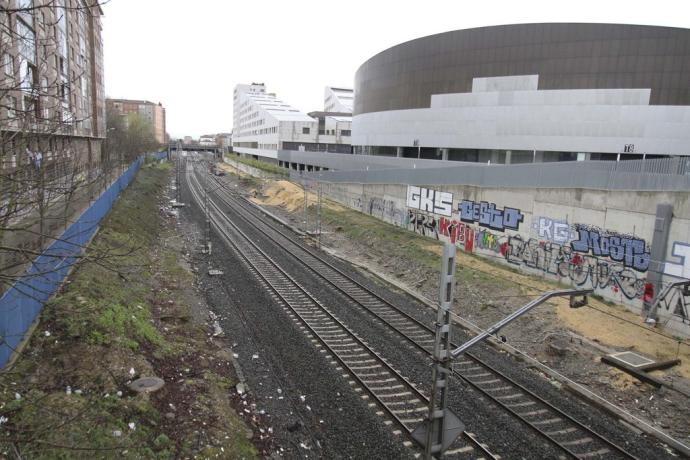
(564,55)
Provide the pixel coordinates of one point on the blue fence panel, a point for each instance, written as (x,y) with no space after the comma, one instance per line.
(21,304)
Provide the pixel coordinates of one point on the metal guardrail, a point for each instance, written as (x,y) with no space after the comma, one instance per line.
(665,174)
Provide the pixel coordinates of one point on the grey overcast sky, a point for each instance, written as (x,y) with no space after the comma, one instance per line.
(190,54)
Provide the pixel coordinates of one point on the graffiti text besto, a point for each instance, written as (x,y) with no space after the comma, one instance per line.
(486,215)
(432,201)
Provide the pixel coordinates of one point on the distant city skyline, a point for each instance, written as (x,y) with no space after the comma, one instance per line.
(190,59)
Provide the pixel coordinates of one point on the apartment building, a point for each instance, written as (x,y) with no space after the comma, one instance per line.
(154,113)
(52,98)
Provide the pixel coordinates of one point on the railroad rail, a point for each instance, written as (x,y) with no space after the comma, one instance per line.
(403,403)
(566,433)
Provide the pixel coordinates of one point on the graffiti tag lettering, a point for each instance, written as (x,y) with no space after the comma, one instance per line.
(554,230)
(428,200)
(423,224)
(457,232)
(488,216)
(620,248)
(682,269)
(583,270)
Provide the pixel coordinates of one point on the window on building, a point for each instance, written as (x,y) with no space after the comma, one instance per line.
(11,103)
(345,132)
(32,109)
(8,64)
(305,130)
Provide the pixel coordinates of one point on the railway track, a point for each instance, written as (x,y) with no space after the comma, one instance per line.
(385,388)
(572,437)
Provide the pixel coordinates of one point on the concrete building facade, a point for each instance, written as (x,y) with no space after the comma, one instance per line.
(154,113)
(528,92)
(51,83)
(338,100)
(265,125)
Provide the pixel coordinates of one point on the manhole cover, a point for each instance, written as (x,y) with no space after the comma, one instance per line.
(147,384)
(632,359)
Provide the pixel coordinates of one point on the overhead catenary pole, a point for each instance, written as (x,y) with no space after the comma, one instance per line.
(442,361)
(208,220)
(442,426)
(306,207)
(318,211)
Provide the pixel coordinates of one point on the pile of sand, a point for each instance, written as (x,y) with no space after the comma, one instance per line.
(290,197)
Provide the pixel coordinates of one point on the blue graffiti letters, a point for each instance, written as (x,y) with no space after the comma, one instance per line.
(628,250)
(488,216)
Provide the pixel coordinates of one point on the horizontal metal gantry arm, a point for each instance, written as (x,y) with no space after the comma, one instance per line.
(521,311)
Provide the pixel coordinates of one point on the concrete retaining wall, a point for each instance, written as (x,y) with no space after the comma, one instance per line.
(586,238)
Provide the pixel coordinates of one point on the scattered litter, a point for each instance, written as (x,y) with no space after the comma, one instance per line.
(217,330)
(255,356)
(117,433)
(119,394)
(3,419)
(131,425)
(302,398)
(68,390)
(215,272)
(651,397)
(46,333)
(280,391)
(241,388)
(235,355)
(17,396)
(131,371)
(77,392)
(303,446)
(308,408)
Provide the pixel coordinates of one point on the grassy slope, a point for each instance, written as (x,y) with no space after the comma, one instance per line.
(105,323)
(262,165)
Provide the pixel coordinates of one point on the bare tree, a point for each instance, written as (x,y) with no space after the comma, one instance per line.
(51,124)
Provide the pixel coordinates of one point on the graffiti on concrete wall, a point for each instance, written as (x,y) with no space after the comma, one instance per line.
(582,255)
(555,230)
(681,269)
(422,224)
(487,215)
(386,209)
(584,270)
(430,201)
(629,250)
(458,233)
(485,240)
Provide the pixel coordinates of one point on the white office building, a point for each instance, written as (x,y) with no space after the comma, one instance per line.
(264,125)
